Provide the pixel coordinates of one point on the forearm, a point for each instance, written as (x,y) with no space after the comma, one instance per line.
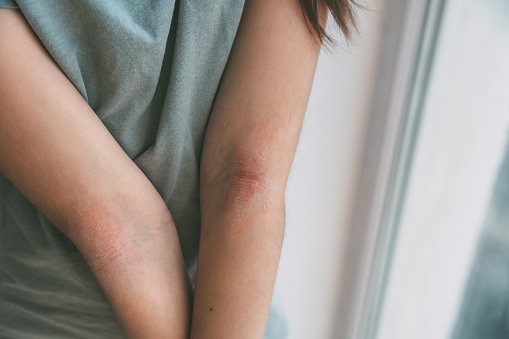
(139,265)
(242,232)
(58,153)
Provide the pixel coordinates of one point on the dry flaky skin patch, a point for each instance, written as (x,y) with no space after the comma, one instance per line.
(250,181)
(105,241)
(112,235)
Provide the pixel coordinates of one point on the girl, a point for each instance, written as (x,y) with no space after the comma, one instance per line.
(138,131)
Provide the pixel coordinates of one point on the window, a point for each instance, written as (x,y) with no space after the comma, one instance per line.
(430,246)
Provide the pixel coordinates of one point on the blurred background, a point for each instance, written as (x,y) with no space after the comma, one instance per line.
(398,201)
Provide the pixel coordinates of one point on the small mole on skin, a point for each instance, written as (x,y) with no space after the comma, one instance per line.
(211,309)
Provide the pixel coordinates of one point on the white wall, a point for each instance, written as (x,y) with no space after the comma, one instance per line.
(323,183)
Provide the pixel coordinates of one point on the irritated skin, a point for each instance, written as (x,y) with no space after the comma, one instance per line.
(59,154)
(248,151)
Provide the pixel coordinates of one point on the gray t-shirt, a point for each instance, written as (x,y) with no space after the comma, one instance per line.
(150,70)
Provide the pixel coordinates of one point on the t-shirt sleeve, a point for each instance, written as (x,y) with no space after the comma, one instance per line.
(8,4)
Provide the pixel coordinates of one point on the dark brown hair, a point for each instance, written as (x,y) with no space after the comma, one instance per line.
(343,12)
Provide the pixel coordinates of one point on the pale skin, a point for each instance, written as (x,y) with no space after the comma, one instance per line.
(91,190)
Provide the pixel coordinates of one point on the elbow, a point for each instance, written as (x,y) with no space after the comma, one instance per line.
(250,188)
(243,179)
(252,198)
(250,185)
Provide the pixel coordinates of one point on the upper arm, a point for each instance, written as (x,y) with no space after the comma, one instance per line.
(53,147)
(259,109)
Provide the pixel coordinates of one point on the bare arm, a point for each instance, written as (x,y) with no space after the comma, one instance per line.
(249,147)
(58,153)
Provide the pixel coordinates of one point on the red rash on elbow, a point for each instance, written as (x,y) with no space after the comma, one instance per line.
(247,177)
(105,240)
(246,197)
(251,186)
